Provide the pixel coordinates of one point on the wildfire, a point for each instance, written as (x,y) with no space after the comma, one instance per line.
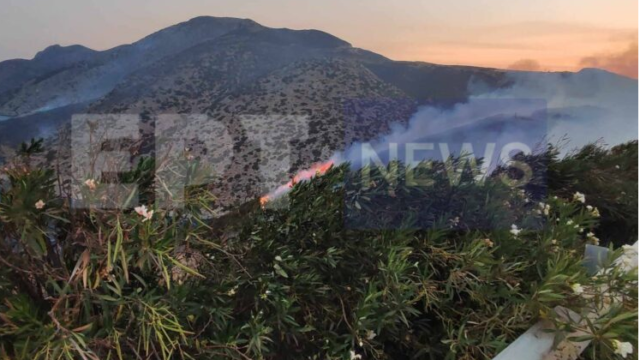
(264,200)
(315,170)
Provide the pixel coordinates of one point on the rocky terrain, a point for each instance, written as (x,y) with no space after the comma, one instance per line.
(236,83)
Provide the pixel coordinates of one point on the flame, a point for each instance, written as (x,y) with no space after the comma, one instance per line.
(315,170)
(264,200)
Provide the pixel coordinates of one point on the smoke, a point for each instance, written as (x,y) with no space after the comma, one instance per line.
(478,127)
(623,63)
(570,109)
(588,106)
(525,65)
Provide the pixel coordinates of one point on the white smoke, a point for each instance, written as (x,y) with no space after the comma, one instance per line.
(587,106)
(537,108)
(566,109)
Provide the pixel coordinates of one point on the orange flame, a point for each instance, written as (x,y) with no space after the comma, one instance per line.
(315,170)
(264,200)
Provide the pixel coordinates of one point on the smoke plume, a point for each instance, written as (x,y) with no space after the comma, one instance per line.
(623,63)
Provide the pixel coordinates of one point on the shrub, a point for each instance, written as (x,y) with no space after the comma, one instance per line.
(455,281)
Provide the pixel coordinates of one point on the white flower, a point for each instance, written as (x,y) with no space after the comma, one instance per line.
(617,166)
(595,212)
(354,356)
(488,243)
(514,230)
(589,207)
(231,292)
(371,334)
(622,348)
(592,238)
(278,258)
(570,222)
(40,204)
(544,208)
(629,258)
(578,196)
(577,288)
(142,211)
(91,184)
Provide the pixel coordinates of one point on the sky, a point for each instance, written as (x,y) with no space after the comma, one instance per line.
(546,35)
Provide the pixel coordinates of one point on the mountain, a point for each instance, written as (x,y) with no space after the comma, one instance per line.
(226,68)
(60,76)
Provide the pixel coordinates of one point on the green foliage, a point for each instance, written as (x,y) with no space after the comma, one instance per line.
(608,178)
(293,282)
(32,148)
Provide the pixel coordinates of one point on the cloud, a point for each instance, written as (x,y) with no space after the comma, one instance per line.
(525,65)
(623,63)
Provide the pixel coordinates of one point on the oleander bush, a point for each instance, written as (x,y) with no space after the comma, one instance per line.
(339,269)
(608,178)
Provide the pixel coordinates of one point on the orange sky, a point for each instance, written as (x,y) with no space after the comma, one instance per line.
(533,46)
(519,34)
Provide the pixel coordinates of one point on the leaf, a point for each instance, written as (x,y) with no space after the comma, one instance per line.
(184,267)
(280,271)
(83,328)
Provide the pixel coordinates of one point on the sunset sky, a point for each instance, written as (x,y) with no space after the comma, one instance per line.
(518,34)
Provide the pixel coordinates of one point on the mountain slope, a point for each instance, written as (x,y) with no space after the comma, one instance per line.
(60,76)
(221,70)
(315,90)
(202,74)
(99,72)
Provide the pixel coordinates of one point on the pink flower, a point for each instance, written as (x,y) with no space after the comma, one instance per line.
(40,205)
(142,211)
(91,184)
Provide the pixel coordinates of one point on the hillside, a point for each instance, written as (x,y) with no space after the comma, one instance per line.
(57,76)
(223,69)
(60,76)
(201,49)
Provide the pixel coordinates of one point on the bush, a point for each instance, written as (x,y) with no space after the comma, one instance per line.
(609,178)
(455,281)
